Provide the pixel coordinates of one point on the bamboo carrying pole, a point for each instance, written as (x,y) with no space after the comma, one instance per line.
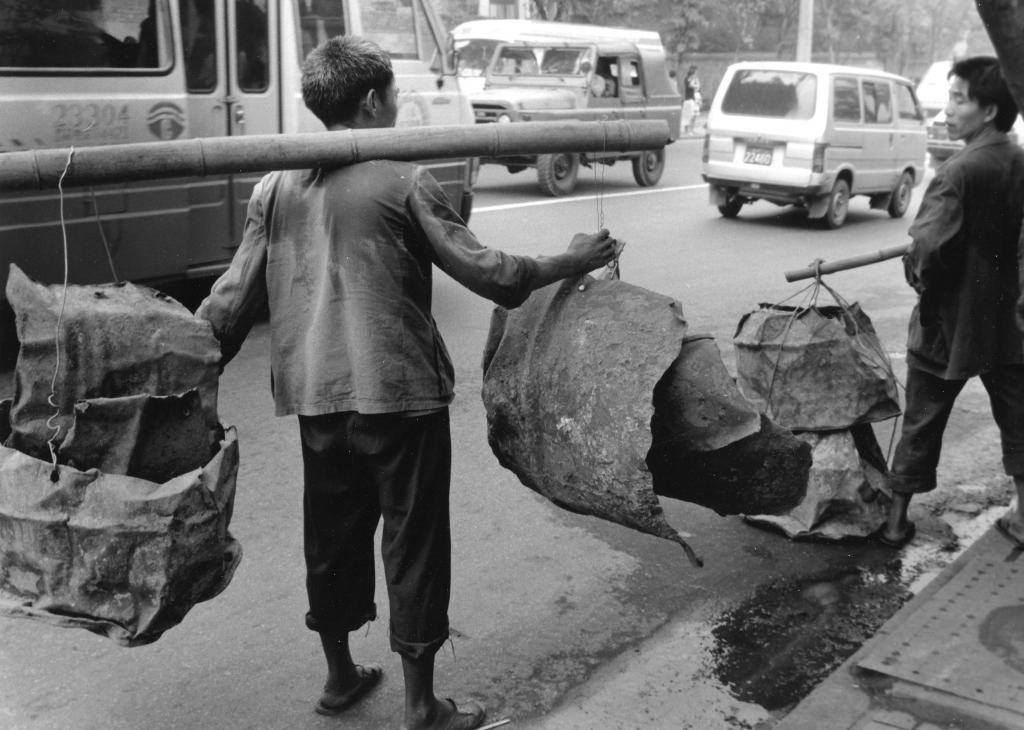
(853,262)
(42,169)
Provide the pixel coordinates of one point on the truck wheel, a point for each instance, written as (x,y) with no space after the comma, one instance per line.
(838,205)
(647,168)
(557,173)
(899,201)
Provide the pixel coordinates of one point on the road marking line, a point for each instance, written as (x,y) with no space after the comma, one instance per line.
(585,198)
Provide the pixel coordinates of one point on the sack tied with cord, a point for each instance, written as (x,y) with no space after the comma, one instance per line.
(815,367)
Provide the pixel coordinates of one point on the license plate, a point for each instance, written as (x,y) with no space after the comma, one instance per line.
(757,155)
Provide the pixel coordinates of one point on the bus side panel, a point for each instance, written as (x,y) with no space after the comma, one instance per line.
(126,232)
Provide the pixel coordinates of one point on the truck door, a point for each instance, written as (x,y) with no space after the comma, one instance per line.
(631,88)
(605,89)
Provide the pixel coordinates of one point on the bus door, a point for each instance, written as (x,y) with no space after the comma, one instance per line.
(254,105)
(232,90)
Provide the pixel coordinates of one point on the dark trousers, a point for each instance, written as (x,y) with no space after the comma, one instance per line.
(929,404)
(357,469)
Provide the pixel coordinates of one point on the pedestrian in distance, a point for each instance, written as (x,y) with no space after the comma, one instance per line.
(343,259)
(963,263)
(691,99)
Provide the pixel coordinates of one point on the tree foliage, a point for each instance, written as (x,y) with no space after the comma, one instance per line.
(903,35)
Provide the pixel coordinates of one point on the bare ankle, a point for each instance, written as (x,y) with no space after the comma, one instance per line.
(424,714)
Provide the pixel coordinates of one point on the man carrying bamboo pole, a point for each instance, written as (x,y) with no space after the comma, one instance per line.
(963,263)
(343,257)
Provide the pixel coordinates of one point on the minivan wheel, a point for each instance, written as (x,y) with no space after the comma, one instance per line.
(899,201)
(838,205)
(557,173)
(731,208)
(647,168)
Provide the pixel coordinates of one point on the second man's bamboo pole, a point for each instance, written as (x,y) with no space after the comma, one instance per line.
(854,262)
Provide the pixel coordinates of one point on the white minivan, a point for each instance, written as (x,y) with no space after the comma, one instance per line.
(813,135)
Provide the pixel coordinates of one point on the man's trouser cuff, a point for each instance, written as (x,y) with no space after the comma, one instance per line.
(417,650)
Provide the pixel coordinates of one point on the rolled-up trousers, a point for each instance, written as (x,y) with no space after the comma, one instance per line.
(357,470)
(929,404)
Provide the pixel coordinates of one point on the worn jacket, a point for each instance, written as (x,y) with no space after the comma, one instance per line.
(963,261)
(343,258)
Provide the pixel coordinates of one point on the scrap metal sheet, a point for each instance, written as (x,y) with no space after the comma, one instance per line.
(568,386)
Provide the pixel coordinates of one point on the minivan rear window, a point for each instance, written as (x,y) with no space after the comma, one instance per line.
(765,93)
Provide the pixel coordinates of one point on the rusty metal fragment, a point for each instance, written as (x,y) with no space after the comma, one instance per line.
(847,494)
(116,340)
(149,437)
(118,556)
(819,368)
(712,448)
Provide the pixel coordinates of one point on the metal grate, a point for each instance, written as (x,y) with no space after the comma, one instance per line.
(967,640)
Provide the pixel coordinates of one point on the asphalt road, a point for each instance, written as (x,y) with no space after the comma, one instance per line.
(559,621)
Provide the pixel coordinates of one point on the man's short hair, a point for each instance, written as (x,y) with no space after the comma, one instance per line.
(986,85)
(338,73)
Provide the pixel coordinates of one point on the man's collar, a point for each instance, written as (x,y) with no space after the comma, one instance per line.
(986,136)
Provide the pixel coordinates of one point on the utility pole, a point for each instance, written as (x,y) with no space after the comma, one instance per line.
(805,30)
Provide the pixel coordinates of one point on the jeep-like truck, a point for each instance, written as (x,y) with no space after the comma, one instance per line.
(587,78)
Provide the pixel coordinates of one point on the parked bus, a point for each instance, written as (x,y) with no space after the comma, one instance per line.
(97,72)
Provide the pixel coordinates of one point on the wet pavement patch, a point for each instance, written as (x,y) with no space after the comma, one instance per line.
(776,646)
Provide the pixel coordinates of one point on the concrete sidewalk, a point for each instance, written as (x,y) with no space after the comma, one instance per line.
(952,657)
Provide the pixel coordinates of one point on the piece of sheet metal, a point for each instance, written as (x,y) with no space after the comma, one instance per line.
(968,640)
(568,384)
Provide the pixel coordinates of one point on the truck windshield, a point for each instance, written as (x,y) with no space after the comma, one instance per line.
(521,61)
(765,93)
(473,55)
(96,35)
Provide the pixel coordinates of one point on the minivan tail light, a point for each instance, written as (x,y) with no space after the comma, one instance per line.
(818,161)
(705,154)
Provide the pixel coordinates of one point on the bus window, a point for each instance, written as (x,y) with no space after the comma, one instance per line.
(319,20)
(200,33)
(392,25)
(103,34)
(252,43)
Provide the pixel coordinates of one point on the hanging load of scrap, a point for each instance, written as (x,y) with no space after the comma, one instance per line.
(820,371)
(116,478)
(599,399)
